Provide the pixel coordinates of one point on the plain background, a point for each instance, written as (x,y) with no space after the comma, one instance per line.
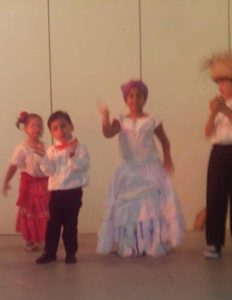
(95,47)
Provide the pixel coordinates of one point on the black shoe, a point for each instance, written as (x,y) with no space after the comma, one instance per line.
(45,259)
(70,259)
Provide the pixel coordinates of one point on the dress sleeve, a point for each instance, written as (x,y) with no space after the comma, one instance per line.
(18,157)
(156,121)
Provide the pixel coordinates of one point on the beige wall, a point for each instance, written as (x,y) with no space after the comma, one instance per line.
(95,48)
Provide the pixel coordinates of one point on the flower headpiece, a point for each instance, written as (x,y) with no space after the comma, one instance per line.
(22,119)
(23,116)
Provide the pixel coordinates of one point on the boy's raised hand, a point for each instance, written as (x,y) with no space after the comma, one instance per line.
(72,148)
(216,103)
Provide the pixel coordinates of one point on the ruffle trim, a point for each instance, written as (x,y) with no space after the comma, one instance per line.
(154,237)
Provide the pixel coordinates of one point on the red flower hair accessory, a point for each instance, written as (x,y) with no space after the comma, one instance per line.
(23,116)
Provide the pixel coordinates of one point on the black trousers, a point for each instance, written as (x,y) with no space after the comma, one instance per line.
(219,192)
(64,208)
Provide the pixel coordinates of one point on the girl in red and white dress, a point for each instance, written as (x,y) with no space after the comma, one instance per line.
(33,195)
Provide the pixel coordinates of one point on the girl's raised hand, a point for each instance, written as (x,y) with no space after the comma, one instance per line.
(102,108)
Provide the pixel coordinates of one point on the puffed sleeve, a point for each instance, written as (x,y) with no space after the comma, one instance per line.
(156,121)
(18,157)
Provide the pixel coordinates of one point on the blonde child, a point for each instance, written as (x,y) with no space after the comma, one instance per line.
(33,193)
(143,215)
(218,130)
(66,163)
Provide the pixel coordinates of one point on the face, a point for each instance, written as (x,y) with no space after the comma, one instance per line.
(61,130)
(225,87)
(135,100)
(34,128)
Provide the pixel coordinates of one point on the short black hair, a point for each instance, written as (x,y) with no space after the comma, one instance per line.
(59,114)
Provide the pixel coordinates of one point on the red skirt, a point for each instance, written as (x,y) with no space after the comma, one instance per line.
(33,203)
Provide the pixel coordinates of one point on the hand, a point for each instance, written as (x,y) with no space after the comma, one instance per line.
(216,103)
(102,108)
(5,188)
(168,165)
(72,149)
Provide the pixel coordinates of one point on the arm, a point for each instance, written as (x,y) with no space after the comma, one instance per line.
(47,165)
(45,160)
(226,111)
(9,174)
(80,159)
(210,125)
(109,129)
(161,135)
(216,105)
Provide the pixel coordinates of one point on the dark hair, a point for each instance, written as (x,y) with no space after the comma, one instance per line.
(24,117)
(139,84)
(59,114)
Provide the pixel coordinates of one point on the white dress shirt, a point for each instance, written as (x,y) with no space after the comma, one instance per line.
(66,171)
(223,130)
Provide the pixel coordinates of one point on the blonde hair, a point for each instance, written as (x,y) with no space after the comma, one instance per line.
(219,65)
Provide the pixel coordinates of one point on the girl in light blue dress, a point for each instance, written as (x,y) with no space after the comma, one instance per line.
(143,215)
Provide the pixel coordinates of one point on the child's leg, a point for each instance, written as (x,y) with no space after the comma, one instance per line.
(231,214)
(53,228)
(70,220)
(231,202)
(54,224)
(217,197)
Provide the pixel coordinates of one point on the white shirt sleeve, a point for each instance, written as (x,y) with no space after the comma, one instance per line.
(80,159)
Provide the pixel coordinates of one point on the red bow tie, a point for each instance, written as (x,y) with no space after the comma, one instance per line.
(65,145)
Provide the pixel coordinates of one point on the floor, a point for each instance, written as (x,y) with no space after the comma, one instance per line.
(184,274)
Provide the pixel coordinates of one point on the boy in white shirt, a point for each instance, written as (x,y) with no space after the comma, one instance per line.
(66,163)
(219,130)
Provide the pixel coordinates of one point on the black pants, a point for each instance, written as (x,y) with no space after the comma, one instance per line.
(219,192)
(64,209)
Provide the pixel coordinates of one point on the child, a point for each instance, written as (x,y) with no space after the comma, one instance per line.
(219,130)
(33,193)
(66,163)
(142,214)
